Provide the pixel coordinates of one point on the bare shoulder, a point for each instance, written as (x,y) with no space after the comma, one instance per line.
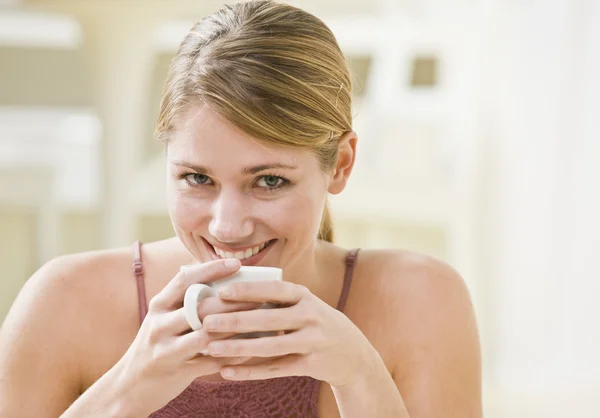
(395,267)
(99,285)
(62,284)
(408,280)
(75,275)
(47,332)
(71,322)
(84,286)
(64,296)
(425,293)
(431,337)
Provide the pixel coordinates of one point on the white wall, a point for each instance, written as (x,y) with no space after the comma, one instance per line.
(543,144)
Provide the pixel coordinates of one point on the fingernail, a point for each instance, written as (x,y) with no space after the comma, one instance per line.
(231,262)
(216,348)
(228,372)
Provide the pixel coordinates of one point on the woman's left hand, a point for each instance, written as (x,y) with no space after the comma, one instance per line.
(320,341)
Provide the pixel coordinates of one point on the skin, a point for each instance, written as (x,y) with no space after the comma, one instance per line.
(406,345)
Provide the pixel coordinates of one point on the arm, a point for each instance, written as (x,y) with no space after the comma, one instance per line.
(106,398)
(438,363)
(39,375)
(373,393)
(43,351)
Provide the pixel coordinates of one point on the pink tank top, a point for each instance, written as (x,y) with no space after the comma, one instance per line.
(284,397)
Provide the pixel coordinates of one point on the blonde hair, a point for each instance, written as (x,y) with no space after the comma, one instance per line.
(274,71)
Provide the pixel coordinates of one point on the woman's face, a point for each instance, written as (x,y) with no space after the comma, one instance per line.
(231,196)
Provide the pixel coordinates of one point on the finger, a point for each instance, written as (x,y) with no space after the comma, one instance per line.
(205,365)
(258,347)
(291,365)
(194,343)
(172,294)
(175,322)
(280,292)
(200,366)
(219,306)
(282,319)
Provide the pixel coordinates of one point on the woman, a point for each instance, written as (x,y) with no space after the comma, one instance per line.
(256,121)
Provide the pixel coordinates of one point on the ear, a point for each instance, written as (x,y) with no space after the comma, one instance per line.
(345,162)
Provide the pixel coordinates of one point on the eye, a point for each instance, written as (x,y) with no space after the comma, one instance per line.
(271,182)
(196,179)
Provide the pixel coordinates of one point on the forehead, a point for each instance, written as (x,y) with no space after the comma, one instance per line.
(205,137)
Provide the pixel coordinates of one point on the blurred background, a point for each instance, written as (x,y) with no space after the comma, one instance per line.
(480,144)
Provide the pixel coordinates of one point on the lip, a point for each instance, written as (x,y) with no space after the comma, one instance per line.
(251,261)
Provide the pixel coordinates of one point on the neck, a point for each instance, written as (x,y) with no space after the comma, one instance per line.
(320,268)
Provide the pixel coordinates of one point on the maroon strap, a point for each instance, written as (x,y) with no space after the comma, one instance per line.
(138,271)
(350,264)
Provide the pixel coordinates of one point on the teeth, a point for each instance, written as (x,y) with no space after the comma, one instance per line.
(240,255)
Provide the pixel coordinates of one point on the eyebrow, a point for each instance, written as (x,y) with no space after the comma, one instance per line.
(265,167)
(246,171)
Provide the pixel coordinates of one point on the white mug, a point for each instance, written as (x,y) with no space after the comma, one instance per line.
(199,291)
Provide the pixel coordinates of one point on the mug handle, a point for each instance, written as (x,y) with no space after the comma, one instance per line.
(193,294)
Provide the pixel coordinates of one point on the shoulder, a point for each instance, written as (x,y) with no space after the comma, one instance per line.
(97,289)
(42,337)
(425,302)
(72,280)
(71,273)
(63,290)
(402,274)
(66,277)
(95,279)
(72,299)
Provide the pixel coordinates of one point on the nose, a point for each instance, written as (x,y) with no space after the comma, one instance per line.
(231,218)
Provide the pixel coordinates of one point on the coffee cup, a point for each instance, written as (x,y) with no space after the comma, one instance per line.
(199,291)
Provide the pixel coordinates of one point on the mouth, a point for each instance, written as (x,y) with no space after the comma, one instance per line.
(248,255)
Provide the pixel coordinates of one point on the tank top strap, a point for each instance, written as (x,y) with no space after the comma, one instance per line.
(348,273)
(138,272)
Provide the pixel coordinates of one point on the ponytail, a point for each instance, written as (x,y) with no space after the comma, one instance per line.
(326,227)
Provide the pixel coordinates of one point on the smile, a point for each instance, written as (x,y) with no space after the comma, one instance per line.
(241,254)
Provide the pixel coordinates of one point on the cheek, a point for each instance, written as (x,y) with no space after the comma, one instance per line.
(296,215)
(187,214)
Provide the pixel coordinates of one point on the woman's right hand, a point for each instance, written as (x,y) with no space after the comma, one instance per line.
(164,357)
